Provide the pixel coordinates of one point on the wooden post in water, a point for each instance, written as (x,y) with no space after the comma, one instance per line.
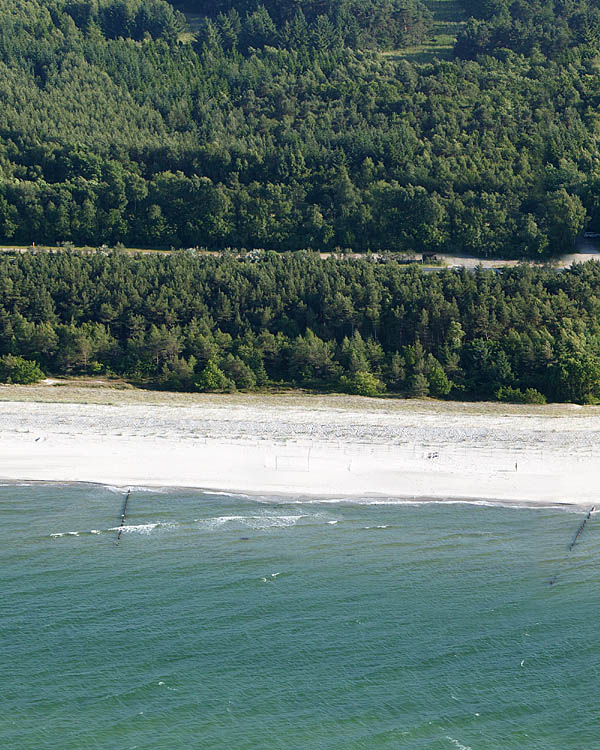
(123,514)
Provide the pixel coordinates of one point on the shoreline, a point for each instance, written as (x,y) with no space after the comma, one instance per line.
(283,498)
(302,446)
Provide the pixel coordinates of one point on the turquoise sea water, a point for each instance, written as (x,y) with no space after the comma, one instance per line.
(230,622)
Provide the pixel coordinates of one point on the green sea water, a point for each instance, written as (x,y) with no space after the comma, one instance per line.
(223,621)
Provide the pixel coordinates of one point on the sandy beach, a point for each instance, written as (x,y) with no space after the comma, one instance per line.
(303,445)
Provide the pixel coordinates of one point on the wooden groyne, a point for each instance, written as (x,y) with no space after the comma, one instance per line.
(123,516)
(582,527)
(575,538)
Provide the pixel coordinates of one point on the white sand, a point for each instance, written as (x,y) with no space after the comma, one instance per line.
(302,445)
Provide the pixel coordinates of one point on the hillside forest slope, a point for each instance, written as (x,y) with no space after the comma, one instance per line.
(300,124)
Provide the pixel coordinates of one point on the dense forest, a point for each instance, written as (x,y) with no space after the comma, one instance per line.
(317,24)
(528,26)
(190,321)
(299,124)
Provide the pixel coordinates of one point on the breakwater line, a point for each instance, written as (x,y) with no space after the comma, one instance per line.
(578,533)
(582,527)
(123,516)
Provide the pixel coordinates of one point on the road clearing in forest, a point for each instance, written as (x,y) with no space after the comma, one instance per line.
(445,260)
